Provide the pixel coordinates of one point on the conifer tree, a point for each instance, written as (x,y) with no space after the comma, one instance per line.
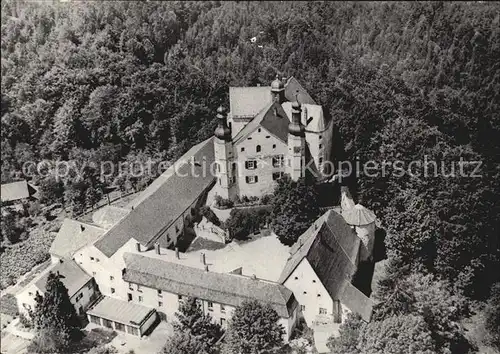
(54,317)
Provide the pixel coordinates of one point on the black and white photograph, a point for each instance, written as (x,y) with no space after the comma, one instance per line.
(250,177)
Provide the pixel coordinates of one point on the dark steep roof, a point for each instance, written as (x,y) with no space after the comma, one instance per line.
(273,118)
(164,202)
(293,87)
(331,247)
(222,288)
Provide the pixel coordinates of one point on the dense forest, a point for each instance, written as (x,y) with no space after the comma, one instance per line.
(120,81)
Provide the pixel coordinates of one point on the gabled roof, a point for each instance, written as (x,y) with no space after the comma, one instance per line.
(273,118)
(331,248)
(222,288)
(72,236)
(246,102)
(358,215)
(72,276)
(109,215)
(14,191)
(292,87)
(163,201)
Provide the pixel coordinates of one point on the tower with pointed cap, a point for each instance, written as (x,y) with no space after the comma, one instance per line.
(224,156)
(296,144)
(363,222)
(278,90)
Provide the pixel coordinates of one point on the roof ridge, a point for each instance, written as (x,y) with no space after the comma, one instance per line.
(242,134)
(211,289)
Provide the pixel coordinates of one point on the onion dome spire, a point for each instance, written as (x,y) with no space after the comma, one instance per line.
(296,127)
(222,131)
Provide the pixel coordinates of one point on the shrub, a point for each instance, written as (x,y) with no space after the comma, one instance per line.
(210,215)
(223,203)
(243,222)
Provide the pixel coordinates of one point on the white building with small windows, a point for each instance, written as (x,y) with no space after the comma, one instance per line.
(270,131)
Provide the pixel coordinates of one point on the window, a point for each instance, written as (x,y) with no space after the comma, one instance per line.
(93,273)
(277,175)
(222,308)
(259,130)
(322,311)
(249,138)
(320,160)
(305,292)
(320,137)
(78,297)
(319,295)
(210,306)
(111,277)
(220,182)
(180,297)
(278,161)
(97,259)
(159,293)
(140,298)
(251,179)
(160,304)
(296,278)
(302,307)
(95,319)
(274,146)
(251,164)
(222,322)
(320,146)
(233,166)
(119,326)
(107,323)
(130,286)
(30,293)
(132,330)
(268,136)
(314,280)
(112,290)
(176,229)
(242,149)
(258,148)
(91,258)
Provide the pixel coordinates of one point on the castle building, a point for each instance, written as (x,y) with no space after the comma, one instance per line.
(269,131)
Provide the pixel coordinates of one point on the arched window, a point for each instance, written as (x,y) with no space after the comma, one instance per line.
(258,148)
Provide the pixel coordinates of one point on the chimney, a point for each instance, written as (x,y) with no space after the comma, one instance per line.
(202,258)
(254,277)
(138,247)
(206,267)
(157,248)
(177,252)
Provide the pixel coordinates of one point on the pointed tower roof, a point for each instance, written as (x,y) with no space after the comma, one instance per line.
(358,215)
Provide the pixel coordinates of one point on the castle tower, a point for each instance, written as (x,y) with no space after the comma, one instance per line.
(224,155)
(278,90)
(363,222)
(296,144)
